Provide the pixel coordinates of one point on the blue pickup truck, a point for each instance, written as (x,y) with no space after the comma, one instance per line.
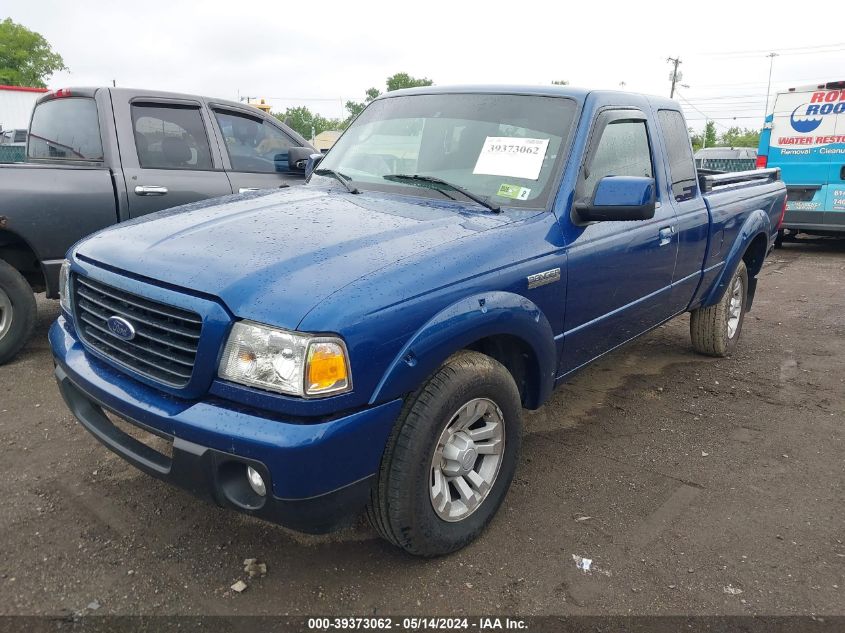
(368,340)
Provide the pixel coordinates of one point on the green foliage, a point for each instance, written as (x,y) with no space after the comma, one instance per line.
(26,58)
(736,137)
(732,137)
(709,136)
(404,80)
(394,82)
(303,121)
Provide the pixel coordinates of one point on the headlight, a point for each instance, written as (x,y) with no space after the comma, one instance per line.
(64,286)
(283,361)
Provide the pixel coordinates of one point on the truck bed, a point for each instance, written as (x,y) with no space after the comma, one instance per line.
(78,201)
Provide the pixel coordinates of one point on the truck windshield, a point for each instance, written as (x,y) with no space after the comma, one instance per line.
(66,129)
(503,148)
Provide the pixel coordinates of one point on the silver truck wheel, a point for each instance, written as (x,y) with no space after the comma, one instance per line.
(715,329)
(6,313)
(466,459)
(17,312)
(450,459)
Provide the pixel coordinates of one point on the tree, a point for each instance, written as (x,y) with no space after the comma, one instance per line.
(354,107)
(304,121)
(394,82)
(736,137)
(709,136)
(404,80)
(26,58)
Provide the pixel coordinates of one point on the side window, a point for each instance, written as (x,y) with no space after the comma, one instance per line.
(623,150)
(253,144)
(170,137)
(679,153)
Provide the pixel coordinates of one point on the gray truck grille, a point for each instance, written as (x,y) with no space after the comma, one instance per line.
(164,346)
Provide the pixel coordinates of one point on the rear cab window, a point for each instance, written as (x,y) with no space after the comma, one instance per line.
(683,175)
(66,129)
(170,137)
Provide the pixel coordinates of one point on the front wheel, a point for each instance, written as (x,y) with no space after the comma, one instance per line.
(17,312)
(450,459)
(715,329)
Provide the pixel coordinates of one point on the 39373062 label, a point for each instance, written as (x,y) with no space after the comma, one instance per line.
(512,156)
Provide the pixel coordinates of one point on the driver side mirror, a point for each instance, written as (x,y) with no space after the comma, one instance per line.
(298,158)
(620,198)
(313,160)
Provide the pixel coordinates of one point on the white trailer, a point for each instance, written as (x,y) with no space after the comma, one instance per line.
(16,103)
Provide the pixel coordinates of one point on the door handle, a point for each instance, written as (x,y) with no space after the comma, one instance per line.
(150,190)
(245,189)
(666,234)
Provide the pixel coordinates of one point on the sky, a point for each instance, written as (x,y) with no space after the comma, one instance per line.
(320,54)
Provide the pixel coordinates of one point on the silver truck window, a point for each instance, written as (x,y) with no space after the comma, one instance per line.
(253,145)
(623,150)
(170,137)
(66,129)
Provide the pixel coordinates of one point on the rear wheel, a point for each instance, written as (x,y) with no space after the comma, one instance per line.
(715,329)
(450,459)
(17,312)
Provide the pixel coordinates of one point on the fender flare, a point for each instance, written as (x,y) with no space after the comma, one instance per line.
(756,224)
(459,325)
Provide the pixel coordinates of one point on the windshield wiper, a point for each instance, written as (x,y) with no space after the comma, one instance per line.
(485,202)
(343,179)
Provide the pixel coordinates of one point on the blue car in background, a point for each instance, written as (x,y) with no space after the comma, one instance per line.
(805,138)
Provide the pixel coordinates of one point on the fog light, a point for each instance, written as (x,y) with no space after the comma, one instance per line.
(256,482)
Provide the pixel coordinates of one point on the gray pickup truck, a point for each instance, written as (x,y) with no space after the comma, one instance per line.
(98,156)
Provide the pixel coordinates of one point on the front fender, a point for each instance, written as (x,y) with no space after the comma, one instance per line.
(463,323)
(756,224)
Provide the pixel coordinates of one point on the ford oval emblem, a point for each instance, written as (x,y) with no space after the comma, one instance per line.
(121,328)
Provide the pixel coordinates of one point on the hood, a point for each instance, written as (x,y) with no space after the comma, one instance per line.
(271,257)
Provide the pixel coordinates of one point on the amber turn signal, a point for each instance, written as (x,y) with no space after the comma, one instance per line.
(327,369)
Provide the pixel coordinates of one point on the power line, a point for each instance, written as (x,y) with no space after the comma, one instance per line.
(785,50)
(706,117)
(716,119)
(763,83)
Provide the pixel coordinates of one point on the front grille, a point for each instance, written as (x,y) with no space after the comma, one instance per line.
(165,344)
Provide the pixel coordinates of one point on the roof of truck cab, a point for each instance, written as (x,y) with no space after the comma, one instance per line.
(89,91)
(572,92)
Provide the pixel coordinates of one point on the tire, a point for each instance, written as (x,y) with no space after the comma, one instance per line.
(17,312)
(779,239)
(402,503)
(712,330)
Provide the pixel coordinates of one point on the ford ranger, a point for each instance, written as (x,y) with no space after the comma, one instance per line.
(98,156)
(368,340)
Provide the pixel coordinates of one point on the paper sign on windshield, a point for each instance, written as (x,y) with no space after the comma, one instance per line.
(512,156)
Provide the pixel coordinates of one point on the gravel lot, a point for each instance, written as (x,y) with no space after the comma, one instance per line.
(695,486)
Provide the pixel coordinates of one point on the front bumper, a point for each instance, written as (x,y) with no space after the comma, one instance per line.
(318,474)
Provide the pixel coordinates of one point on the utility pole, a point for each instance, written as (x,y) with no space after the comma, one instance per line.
(675,61)
(771,57)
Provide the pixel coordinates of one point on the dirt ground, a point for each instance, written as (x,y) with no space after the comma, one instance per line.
(694,485)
